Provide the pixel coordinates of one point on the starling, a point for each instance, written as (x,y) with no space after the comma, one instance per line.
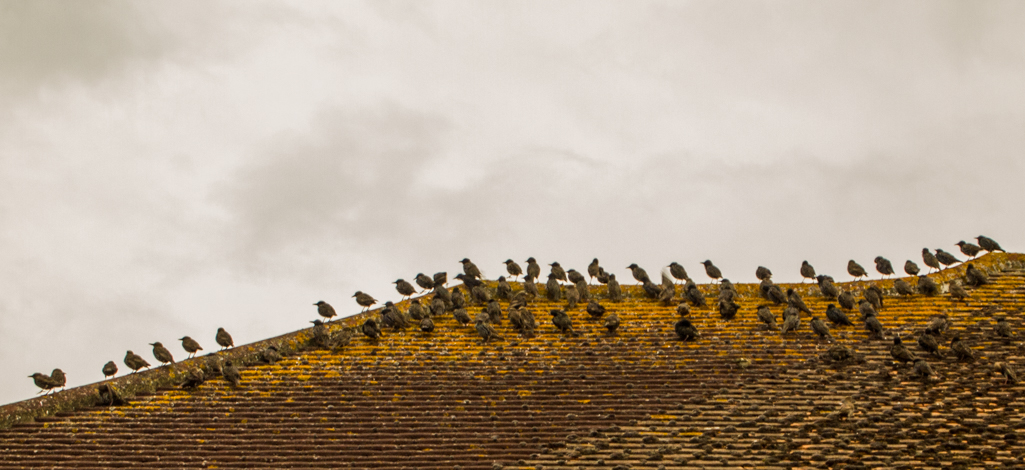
(930,259)
(440,279)
(593,269)
(875,329)
(820,328)
(320,336)
(685,330)
(231,374)
(574,276)
(826,286)
(639,273)
(480,294)
(558,272)
(846,300)
(961,350)
(677,271)
(562,321)
(929,344)
(938,325)
(42,381)
(693,294)
(270,355)
(612,322)
(486,331)
(456,297)
(213,365)
(494,310)
(190,345)
(988,244)
(807,271)
(883,266)
(161,353)
(901,352)
(866,309)
(902,287)
(583,291)
(1008,372)
(922,369)
(957,292)
(553,291)
(370,329)
(58,379)
(765,316)
(837,316)
(603,277)
(772,292)
(533,269)
(109,369)
(855,269)
(471,269)
(945,258)
(1003,329)
(513,269)
(416,310)
(461,316)
(425,282)
(595,310)
(224,339)
(427,325)
(975,277)
(969,249)
(712,271)
(404,288)
(364,300)
(516,320)
(728,310)
(615,292)
(926,286)
(392,317)
(651,289)
(763,273)
(438,306)
(193,379)
(503,290)
(790,322)
(109,396)
(683,309)
(794,300)
(530,287)
(911,268)
(839,353)
(325,309)
(874,296)
(726,290)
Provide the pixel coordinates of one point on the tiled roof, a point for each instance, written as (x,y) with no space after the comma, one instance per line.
(738,397)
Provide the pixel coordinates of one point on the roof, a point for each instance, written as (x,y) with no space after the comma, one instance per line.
(738,397)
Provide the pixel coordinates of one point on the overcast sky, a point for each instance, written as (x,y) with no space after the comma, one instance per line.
(167,168)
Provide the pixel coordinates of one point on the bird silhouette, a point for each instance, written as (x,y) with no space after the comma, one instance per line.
(945,258)
(109,369)
(930,259)
(685,330)
(926,286)
(231,374)
(765,316)
(558,272)
(1008,372)
(161,353)
(763,273)
(961,350)
(224,339)
(426,283)
(533,269)
(988,244)
(370,329)
(562,321)
(911,268)
(427,325)
(615,292)
(884,266)
(404,289)
(190,345)
(595,310)
(364,300)
(712,271)
(639,273)
(902,287)
(922,369)
(513,269)
(135,361)
(975,277)
(837,316)
(612,323)
(929,344)
(855,270)
(471,269)
(826,286)
(553,291)
(678,272)
(820,328)
(846,300)
(593,269)
(807,271)
(440,279)
(969,249)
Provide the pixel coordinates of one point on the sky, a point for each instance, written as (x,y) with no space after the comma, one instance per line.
(168,168)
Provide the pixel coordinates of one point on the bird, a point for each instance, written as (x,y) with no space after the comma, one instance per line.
(612,323)
(683,309)
(404,288)
(855,269)
(494,310)
(901,352)
(109,369)
(772,292)
(533,269)
(461,316)
(161,353)
(513,269)
(615,292)
(392,317)
(807,271)
(517,320)
(562,321)
(530,287)
(975,277)
(685,330)
(190,345)
(231,373)
(583,291)
(370,329)
(837,316)
(866,309)
(957,291)
(440,279)
(765,316)
(1003,328)
(763,273)
(820,328)
(902,287)
(926,286)
(790,322)
(558,271)
(930,259)
(826,286)
(471,269)
(875,329)
(988,244)
(325,309)
(945,258)
(58,379)
(593,269)
(712,271)
(135,361)
(922,369)
(728,310)
(438,305)
(595,310)
(193,379)
(929,344)
(846,300)
(364,300)
(416,310)
(426,283)
(639,273)
(969,249)
(961,350)
(883,266)
(911,268)
(42,381)
(603,277)
(224,339)
(938,325)
(320,336)
(1008,372)
(455,298)
(427,325)
(109,396)
(677,271)
(503,290)
(693,294)
(874,295)
(794,300)
(270,354)
(553,291)
(574,276)
(651,289)
(486,331)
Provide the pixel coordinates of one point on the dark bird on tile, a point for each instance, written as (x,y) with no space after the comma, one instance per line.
(584,291)
(975,277)
(370,329)
(426,283)
(846,300)
(922,369)
(109,369)
(763,273)
(1008,372)
(325,309)
(58,379)
(494,310)
(794,300)
(639,273)
(772,292)
(595,310)
(855,269)
(902,287)
(392,317)
(969,249)
(461,316)
(712,271)
(364,300)
(270,355)
(603,277)
(533,269)
(480,294)
(926,286)
(109,396)
(471,269)
(135,361)
(961,350)
(574,276)
(612,323)
(988,244)
(487,332)
(765,316)
(866,309)
(161,353)
(440,279)
(726,290)
(456,298)
(930,259)
(901,352)
(562,321)
(685,330)
(728,310)
(503,290)
(190,345)
(790,322)
(469,281)
(874,296)
(683,309)
(938,325)
(839,353)
(884,266)
(416,310)
(929,344)
(193,379)
(231,374)
(558,272)
(911,268)
(874,328)
(693,294)
(224,339)
(593,269)
(438,306)
(530,288)
(807,271)
(677,271)
(404,288)
(513,269)
(945,258)
(1003,329)
(427,325)
(651,289)
(42,381)
(837,316)
(820,328)
(826,286)
(553,291)
(957,292)
(516,319)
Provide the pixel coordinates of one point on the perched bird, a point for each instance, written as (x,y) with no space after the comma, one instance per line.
(42,381)
(728,310)
(224,339)
(790,322)
(957,292)
(109,369)
(765,316)
(639,273)
(820,328)
(685,330)
(693,294)
(975,277)
(911,268)
(772,292)
(839,353)
(440,279)
(595,310)
(533,269)
(945,258)
(530,287)
(901,352)
(364,300)
(404,288)
(562,321)
(651,289)
(807,271)
(558,272)
(416,310)
(461,316)
(683,309)
(135,361)
(794,300)
(517,320)
(109,396)
(961,350)
(438,306)
(875,329)
(603,277)
(763,273)
(926,286)
(929,344)
(494,310)
(486,331)
(58,379)
(836,316)
(846,300)
(969,249)
(370,329)
(855,269)
(231,374)
(930,259)
(938,325)
(1008,372)
(456,297)
(615,292)
(468,281)
(574,276)
(1003,329)
(513,269)
(190,345)
(866,309)
(988,244)
(553,291)
(902,287)
(161,353)
(392,317)
(874,296)
(503,290)
(426,283)
(712,271)
(677,271)
(427,325)
(583,291)
(270,355)
(193,379)
(593,269)
(826,286)
(612,323)
(883,266)
(471,269)
(320,336)
(922,369)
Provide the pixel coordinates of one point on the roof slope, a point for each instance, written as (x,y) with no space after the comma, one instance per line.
(640,398)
